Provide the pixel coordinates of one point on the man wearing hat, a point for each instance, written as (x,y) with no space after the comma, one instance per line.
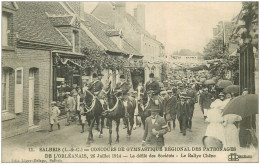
(70,106)
(205,101)
(182,113)
(190,107)
(122,88)
(163,98)
(96,86)
(170,108)
(155,128)
(123,85)
(152,87)
(54,113)
(191,100)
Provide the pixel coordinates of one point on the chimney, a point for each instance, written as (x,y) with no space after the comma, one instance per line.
(77,7)
(120,7)
(139,14)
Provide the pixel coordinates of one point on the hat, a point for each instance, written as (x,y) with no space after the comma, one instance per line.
(183,95)
(163,93)
(169,91)
(221,94)
(75,94)
(53,102)
(151,75)
(67,93)
(122,76)
(94,75)
(153,107)
(100,74)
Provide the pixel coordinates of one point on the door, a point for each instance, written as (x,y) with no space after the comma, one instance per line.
(31,98)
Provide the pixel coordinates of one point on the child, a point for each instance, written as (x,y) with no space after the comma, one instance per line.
(54,113)
(82,116)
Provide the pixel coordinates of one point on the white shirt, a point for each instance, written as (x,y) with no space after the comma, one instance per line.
(153,119)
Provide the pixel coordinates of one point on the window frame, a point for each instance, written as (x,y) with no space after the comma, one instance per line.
(6,72)
(7,15)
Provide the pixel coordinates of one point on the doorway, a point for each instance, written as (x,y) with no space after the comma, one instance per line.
(31,96)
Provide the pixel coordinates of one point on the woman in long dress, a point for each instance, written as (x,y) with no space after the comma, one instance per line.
(231,131)
(214,136)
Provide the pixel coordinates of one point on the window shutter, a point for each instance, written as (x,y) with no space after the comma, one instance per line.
(18,90)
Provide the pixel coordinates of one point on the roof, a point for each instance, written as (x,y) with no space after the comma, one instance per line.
(86,41)
(33,23)
(113,32)
(10,5)
(98,29)
(109,16)
(126,47)
(61,20)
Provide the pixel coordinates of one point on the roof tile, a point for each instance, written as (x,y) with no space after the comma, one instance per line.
(33,23)
(98,29)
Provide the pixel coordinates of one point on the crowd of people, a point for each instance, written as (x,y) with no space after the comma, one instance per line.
(171,101)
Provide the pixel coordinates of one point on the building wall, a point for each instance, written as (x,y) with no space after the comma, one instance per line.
(129,33)
(185,59)
(28,58)
(150,48)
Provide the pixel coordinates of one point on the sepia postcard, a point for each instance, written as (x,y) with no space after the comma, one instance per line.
(129,82)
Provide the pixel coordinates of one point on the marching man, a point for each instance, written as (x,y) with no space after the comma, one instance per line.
(152,87)
(54,113)
(155,128)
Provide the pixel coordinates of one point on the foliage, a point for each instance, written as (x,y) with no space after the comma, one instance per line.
(99,59)
(227,64)
(215,49)
(250,12)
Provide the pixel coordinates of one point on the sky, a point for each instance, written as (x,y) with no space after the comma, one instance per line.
(183,25)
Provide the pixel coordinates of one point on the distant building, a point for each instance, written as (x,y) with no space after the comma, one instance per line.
(185,59)
(133,30)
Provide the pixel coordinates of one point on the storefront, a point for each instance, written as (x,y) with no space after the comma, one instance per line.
(68,73)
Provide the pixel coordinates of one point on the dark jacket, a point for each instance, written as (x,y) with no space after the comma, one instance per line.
(182,110)
(124,86)
(160,126)
(190,108)
(95,86)
(170,106)
(205,100)
(191,93)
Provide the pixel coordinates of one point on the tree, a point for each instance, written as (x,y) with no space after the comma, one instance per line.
(215,49)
